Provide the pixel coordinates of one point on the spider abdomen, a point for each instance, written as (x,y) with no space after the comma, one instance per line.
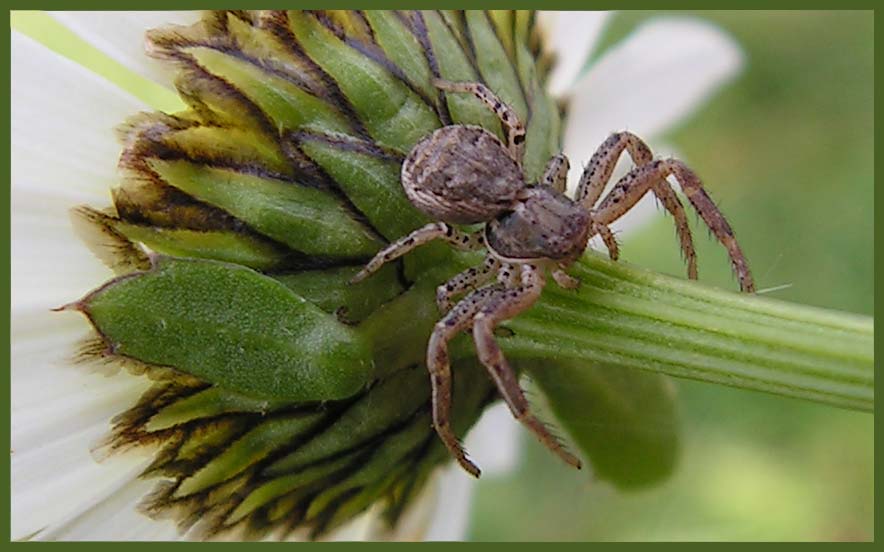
(544,225)
(462,175)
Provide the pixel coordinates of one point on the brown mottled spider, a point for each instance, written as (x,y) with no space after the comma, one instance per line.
(463,174)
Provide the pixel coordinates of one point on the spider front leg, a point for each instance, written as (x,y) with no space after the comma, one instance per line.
(555,175)
(640,180)
(501,305)
(508,275)
(608,238)
(425,234)
(513,127)
(598,172)
(470,278)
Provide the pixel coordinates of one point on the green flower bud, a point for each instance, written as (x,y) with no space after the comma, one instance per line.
(285,397)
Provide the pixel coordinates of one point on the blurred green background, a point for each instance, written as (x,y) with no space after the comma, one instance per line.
(790,146)
(787,153)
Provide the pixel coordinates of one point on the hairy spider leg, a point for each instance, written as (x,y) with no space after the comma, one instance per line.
(457,320)
(424,234)
(608,237)
(469,279)
(513,127)
(555,175)
(639,180)
(598,172)
(503,304)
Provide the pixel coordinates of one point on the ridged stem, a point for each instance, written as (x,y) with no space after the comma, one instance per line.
(625,316)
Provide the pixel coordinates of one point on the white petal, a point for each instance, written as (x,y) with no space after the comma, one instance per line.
(64,153)
(59,491)
(58,411)
(53,397)
(115,518)
(571,36)
(367,526)
(120,35)
(60,480)
(454,496)
(494,442)
(63,118)
(50,267)
(653,79)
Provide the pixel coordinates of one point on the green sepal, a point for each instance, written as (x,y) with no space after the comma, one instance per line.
(210,403)
(211,101)
(393,113)
(504,23)
(473,389)
(331,290)
(388,404)
(371,183)
(216,435)
(220,245)
(395,448)
(494,63)
(228,146)
(248,449)
(290,106)
(625,421)
(544,126)
(230,326)
(302,479)
(408,450)
(454,65)
(403,49)
(306,219)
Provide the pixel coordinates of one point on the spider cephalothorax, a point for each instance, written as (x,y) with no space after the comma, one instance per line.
(464,174)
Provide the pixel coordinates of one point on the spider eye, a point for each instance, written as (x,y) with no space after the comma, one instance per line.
(518,139)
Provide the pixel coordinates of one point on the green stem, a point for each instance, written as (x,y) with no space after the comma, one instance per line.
(625,316)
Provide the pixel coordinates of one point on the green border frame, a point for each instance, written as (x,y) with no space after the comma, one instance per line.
(5,241)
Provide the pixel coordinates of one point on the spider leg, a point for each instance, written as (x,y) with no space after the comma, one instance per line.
(556,173)
(508,275)
(457,320)
(598,172)
(425,234)
(502,305)
(565,280)
(468,279)
(513,127)
(639,180)
(609,239)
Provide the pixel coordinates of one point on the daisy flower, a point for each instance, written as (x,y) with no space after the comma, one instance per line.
(64,154)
